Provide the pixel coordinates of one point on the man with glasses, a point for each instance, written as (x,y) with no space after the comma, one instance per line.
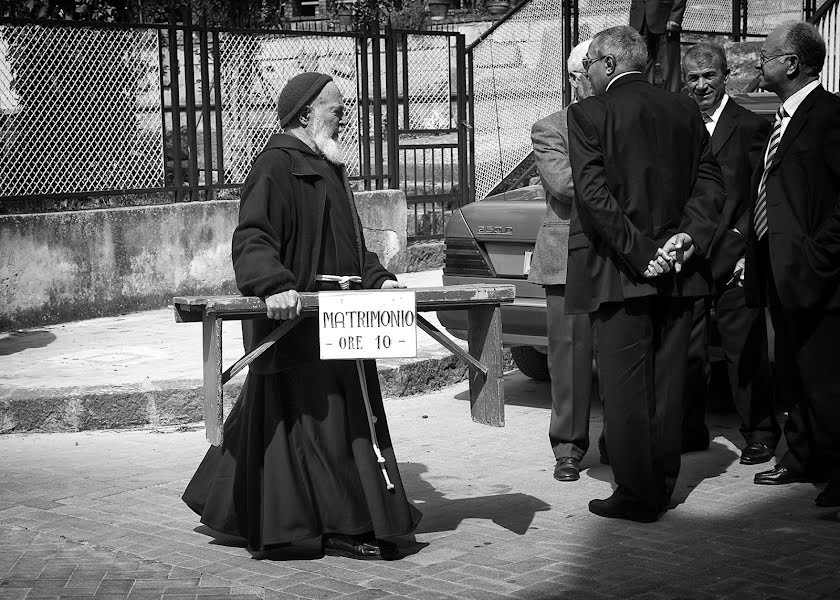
(648,195)
(738,138)
(658,21)
(569,336)
(793,254)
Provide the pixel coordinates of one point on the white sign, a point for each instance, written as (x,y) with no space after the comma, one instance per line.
(367,324)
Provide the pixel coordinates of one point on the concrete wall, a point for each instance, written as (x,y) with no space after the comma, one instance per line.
(66,266)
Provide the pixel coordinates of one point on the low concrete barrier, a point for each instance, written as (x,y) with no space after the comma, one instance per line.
(67,266)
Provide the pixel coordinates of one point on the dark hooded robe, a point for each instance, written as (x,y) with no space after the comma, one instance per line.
(297,460)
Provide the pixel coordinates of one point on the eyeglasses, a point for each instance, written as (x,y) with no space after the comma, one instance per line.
(764,59)
(588,62)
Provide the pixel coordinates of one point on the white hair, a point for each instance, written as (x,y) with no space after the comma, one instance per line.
(575,62)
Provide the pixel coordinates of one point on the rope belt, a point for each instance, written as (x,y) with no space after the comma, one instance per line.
(343,281)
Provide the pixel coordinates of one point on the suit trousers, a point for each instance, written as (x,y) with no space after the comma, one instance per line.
(695,433)
(570,366)
(807,367)
(743,339)
(641,354)
(671,70)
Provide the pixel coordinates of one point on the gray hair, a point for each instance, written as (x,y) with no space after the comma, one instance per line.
(806,42)
(575,62)
(706,52)
(625,44)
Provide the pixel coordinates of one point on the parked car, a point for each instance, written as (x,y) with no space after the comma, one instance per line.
(492,241)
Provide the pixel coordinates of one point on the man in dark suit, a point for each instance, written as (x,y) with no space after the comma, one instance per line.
(659,20)
(569,336)
(645,183)
(738,137)
(793,254)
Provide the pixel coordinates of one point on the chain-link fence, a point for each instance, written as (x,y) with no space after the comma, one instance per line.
(516,80)
(80,110)
(253,70)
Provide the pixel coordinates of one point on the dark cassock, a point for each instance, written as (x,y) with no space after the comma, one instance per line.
(297,462)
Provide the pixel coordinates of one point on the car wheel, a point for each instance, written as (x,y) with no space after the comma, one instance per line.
(531,362)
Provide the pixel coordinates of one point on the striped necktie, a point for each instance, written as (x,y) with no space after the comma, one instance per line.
(760,214)
(706,117)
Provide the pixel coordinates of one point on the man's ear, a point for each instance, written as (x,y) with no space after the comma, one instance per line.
(795,65)
(609,64)
(303,116)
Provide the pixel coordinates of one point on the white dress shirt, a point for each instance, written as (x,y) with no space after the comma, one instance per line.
(617,77)
(791,104)
(715,116)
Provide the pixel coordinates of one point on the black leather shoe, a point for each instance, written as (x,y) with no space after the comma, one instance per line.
(352,546)
(756,453)
(616,507)
(567,469)
(829,497)
(780,476)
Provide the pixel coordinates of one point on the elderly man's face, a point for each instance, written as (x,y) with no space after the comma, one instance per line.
(326,119)
(594,65)
(706,82)
(774,61)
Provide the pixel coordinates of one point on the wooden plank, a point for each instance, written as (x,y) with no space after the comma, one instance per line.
(213,394)
(487,396)
(433,298)
(447,343)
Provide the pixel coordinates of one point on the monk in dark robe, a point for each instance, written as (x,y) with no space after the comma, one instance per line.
(297,463)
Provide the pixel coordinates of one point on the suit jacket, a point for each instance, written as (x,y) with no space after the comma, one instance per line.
(739,137)
(803,211)
(656,14)
(550,137)
(643,170)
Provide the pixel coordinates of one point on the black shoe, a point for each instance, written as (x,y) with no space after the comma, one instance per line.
(567,469)
(617,507)
(829,497)
(756,453)
(352,546)
(780,476)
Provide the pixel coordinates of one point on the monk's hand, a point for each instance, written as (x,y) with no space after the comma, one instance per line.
(390,284)
(679,248)
(659,264)
(282,306)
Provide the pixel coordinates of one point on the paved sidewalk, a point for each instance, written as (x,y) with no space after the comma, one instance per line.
(144,368)
(98,515)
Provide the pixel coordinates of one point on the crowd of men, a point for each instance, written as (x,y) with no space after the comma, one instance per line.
(665,206)
(660,205)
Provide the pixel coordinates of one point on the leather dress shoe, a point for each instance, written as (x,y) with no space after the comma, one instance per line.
(756,453)
(567,469)
(358,547)
(829,497)
(780,476)
(618,507)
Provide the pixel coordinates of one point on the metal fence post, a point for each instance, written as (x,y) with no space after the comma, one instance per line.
(189,93)
(461,118)
(567,11)
(175,107)
(217,89)
(736,20)
(392,108)
(204,51)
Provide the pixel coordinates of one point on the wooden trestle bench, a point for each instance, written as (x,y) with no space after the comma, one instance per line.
(484,355)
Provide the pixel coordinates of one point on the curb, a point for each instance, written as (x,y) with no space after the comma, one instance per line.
(181,402)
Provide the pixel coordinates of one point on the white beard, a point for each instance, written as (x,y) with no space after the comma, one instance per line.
(325,142)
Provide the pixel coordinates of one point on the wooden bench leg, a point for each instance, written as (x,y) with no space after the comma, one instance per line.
(487,395)
(213,398)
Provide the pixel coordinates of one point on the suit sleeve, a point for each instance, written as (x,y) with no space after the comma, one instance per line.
(702,212)
(594,198)
(677,12)
(823,249)
(551,153)
(256,244)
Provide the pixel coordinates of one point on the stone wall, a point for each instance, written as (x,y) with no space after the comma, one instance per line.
(66,266)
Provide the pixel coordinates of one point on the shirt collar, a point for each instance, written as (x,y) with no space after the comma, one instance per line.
(617,77)
(715,116)
(792,103)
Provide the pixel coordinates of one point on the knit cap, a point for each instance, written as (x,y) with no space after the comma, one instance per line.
(299,91)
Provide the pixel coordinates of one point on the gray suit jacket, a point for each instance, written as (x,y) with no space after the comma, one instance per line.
(550,137)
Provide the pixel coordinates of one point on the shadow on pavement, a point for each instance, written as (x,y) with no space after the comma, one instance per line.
(515,512)
(18,341)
